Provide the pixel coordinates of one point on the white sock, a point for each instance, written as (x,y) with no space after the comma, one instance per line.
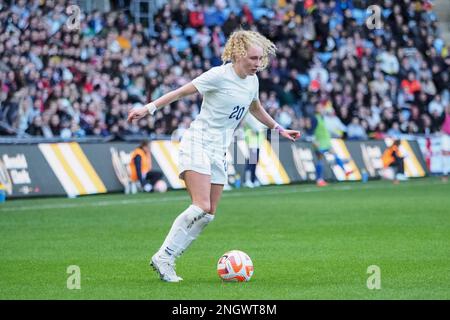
(248,177)
(185,229)
(445,164)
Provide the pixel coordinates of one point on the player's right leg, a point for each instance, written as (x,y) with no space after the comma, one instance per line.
(254,180)
(445,151)
(396,169)
(186,227)
(320,181)
(445,165)
(248,173)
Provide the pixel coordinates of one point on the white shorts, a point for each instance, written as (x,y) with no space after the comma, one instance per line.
(445,142)
(203,157)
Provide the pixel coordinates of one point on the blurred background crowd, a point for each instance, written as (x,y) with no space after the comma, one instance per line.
(60,81)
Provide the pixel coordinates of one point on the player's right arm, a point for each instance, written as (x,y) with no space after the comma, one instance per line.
(168,98)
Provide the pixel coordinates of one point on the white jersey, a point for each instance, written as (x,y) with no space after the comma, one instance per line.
(226,100)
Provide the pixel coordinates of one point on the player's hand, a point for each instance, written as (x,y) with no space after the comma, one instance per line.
(137,113)
(290,134)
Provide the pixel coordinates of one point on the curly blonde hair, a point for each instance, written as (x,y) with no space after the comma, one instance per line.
(241,40)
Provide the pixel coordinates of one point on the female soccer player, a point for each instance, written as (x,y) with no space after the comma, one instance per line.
(228,91)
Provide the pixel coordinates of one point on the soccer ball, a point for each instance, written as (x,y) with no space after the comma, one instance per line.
(160,186)
(235,265)
(388,174)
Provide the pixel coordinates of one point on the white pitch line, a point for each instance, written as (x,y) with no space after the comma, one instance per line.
(293,189)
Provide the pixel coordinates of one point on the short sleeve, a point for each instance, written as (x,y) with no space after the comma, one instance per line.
(256,95)
(208,81)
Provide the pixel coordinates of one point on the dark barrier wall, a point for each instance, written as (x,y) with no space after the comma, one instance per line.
(416,149)
(367,155)
(102,156)
(359,156)
(75,169)
(24,172)
(298,160)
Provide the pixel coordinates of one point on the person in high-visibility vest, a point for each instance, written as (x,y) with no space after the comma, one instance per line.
(392,158)
(254,138)
(322,145)
(141,167)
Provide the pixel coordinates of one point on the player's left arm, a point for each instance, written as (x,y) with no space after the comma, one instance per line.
(257,110)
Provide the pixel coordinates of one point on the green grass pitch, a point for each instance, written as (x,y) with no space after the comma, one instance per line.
(305,243)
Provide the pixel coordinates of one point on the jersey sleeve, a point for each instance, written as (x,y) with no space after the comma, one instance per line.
(208,81)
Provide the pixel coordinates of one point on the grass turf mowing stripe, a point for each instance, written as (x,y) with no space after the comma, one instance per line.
(309,244)
(89,201)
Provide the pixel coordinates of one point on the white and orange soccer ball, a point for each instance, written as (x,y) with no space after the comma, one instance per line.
(235,265)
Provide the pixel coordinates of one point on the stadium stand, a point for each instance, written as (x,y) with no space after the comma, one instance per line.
(57,81)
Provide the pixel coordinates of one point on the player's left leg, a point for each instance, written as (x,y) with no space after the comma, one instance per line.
(340,163)
(216,193)
(219,177)
(188,225)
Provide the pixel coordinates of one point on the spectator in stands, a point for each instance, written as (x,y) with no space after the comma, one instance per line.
(322,145)
(411,85)
(95,74)
(35,128)
(436,106)
(355,131)
(334,125)
(394,131)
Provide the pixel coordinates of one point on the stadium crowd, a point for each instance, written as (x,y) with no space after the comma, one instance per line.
(58,81)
